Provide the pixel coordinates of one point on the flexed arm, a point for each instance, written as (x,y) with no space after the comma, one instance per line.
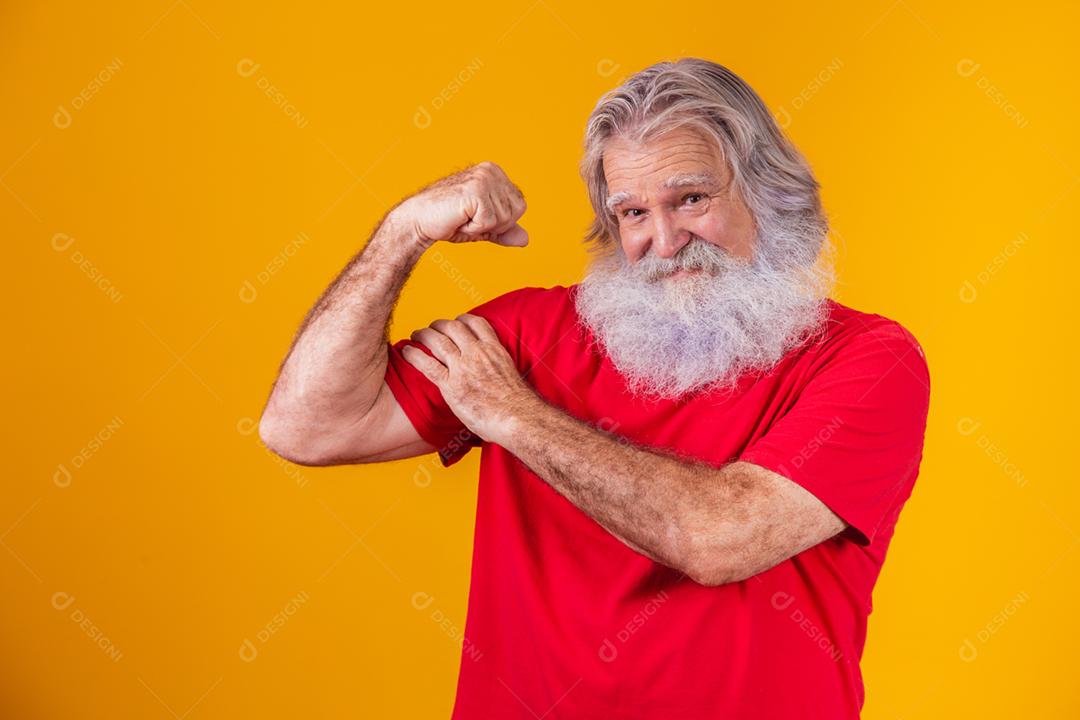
(330,404)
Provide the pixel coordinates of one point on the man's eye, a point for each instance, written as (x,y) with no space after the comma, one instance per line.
(694,198)
(626,212)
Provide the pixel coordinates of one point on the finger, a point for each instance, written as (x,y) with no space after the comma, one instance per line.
(514,208)
(517,200)
(516,236)
(520,195)
(502,223)
(480,327)
(432,369)
(457,331)
(500,229)
(440,345)
(503,209)
(484,216)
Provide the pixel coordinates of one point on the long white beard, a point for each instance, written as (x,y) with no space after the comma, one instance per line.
(672,336)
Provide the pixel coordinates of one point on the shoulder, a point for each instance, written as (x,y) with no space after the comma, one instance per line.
(847,327)
(858,343)
(856,327)
(528,298)
(529,315)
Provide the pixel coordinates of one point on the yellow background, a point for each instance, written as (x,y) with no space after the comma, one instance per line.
(168,235)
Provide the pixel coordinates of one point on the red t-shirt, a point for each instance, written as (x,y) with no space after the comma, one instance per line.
(566,621)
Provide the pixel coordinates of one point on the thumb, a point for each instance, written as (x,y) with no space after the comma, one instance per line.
(516,236)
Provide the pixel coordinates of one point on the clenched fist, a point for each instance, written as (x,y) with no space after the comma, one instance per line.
(478,203)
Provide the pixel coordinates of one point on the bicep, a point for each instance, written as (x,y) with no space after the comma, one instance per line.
(387,433)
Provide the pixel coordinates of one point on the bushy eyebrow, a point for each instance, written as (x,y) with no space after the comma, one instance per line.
(673,182)
(617,199)
(685,179)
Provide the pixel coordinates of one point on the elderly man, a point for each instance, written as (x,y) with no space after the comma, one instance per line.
(692,461)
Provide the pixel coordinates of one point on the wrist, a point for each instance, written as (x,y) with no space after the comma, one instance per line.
(399,235)
(521,418)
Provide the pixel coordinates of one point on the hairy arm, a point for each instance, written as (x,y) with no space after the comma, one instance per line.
(320,409)
(330,404)
(716,524)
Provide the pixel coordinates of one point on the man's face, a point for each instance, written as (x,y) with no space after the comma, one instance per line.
(670,190)
(686,300)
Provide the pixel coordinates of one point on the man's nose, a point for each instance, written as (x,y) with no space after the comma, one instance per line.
(668,237)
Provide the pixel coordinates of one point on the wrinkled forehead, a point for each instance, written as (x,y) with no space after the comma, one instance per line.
(679,159)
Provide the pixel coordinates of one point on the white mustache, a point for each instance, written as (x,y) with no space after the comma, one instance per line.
(697,254)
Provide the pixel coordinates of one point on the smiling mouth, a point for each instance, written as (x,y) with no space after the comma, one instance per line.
(682,273)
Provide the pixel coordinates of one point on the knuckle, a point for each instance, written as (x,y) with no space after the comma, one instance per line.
(448,325)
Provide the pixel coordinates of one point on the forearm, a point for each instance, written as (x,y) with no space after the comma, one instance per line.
(666,507)
(335,367)
(717,524)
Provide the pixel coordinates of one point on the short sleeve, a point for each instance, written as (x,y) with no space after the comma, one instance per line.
(854,435)
(421,399)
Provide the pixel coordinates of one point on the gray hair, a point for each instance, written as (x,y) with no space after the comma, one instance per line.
(771,175)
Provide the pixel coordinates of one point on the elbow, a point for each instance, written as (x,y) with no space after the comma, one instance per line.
(713,564)
(710,574)
(716,574)
(721,566)
(286,442)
